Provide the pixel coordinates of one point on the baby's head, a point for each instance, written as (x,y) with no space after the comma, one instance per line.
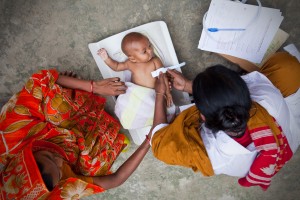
(137,47)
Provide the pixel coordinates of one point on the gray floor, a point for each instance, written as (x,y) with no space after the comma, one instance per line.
(36,34)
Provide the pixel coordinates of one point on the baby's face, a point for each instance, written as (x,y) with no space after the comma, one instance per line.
(142,50)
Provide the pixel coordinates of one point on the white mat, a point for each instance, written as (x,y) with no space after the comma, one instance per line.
(159,36)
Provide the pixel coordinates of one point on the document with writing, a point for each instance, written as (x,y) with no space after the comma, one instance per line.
(256,28)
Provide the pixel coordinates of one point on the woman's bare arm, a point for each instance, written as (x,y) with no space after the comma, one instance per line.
(107,87)
(180,82)
(160,101)
(169,98)
(125,170)
(130,165)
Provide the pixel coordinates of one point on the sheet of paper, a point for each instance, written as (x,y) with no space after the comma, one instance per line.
(292,49)
(278,40)
(250,44)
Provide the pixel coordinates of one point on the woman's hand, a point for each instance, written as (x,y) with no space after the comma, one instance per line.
(106,87)
(109,87)
(179,82)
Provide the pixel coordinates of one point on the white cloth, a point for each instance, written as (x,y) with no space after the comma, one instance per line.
(135,108)
(229,157)
(286,111)
(226,155)
(293,103)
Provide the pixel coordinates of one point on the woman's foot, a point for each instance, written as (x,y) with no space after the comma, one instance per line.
(70,74)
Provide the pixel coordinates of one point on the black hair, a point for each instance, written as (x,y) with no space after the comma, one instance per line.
(47,178)
(223,97)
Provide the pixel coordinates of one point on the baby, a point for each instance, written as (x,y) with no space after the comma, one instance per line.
(141,61)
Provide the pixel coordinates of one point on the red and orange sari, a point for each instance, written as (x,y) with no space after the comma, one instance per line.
(69,122)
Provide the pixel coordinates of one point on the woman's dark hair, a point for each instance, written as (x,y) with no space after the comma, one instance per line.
(223,98)
(47,178)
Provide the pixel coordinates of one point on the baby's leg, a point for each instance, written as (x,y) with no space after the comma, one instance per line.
(283,70)
(168,92)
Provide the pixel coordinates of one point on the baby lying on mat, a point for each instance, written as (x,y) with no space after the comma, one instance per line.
(141,61)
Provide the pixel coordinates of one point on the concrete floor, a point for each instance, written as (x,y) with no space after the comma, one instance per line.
(36,34)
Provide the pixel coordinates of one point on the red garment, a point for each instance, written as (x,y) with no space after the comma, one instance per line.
(274,152)
(245,140)
(72,123)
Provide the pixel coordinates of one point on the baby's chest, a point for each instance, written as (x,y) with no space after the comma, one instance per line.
(143,70)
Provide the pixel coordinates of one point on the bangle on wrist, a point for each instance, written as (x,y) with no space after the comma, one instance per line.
(148,139)
(92,87)
(159,93)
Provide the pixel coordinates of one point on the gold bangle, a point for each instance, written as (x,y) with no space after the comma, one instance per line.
(161,94)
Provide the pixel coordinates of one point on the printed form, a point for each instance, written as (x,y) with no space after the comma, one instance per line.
(250,44)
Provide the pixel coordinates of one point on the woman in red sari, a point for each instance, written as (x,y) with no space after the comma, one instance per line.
(59,143)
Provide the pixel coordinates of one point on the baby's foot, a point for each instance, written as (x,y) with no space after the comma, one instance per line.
(102,53)
(169,100)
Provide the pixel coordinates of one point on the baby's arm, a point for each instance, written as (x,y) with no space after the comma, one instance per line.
(169,98)
(114,65)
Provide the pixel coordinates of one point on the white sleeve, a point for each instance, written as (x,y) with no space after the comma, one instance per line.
(226,155)
(268,96)
(157,128)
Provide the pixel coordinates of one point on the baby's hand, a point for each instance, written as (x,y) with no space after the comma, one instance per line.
(102,53)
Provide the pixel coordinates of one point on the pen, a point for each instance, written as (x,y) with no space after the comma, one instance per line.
(225,29)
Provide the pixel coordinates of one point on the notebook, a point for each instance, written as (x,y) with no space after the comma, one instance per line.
(254,28)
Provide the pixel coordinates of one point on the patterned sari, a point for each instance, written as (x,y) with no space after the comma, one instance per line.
(72,123)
